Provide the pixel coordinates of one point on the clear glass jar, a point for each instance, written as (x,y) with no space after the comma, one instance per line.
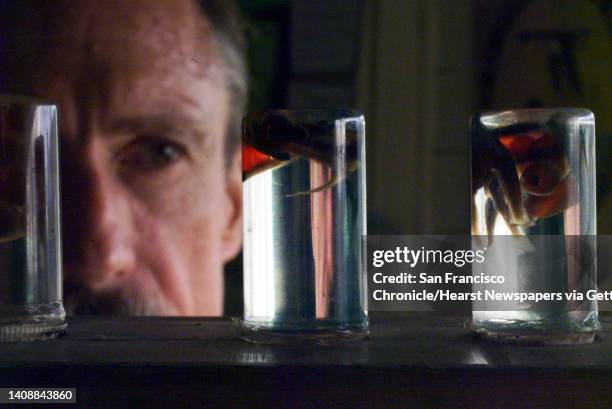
(304,198)
(30,241)
(533,211)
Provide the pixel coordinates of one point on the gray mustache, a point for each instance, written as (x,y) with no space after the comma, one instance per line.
(82,301)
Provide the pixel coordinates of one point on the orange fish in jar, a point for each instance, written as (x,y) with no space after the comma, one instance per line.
(542,167)
(272,140)
(526,173)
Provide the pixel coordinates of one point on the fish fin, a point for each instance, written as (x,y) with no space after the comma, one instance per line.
(333,181)
(271,164)
(490,216)
(516,230)
(508,196)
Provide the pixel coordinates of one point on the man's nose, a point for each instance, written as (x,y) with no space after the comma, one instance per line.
(97,224)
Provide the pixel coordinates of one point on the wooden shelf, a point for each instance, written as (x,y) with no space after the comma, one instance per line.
(412,360)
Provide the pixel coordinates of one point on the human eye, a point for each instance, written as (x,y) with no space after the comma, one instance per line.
(148,154)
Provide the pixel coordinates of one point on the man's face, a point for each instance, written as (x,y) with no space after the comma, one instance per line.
(150,210)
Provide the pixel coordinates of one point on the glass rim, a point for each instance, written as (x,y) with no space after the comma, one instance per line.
(23,99)
(581,111)
(325,113)
(507,117)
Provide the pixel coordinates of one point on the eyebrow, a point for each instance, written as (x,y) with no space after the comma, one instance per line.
(177,126)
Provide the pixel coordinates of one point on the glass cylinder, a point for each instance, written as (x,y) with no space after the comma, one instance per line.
(30,251)
(534,214)
(304,195)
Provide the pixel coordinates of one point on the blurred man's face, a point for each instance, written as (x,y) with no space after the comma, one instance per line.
(150,210)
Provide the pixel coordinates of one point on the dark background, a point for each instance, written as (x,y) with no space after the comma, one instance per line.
(418,69)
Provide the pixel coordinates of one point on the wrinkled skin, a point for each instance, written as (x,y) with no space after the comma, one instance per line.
(151,212)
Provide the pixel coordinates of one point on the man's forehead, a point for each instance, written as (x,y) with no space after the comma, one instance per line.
(109,17)
(120,32)
(117,59)
(122,47)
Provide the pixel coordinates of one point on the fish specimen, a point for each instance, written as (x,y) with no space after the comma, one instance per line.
(273,139)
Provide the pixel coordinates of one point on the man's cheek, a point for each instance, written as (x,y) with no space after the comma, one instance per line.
(168,197)
(190,218)
(183,255)
(164,265)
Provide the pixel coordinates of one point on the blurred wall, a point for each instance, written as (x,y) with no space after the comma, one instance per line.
(416,85)
(427,65)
